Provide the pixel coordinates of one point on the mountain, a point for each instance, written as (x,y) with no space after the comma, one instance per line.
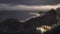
(56,30)
(48,19)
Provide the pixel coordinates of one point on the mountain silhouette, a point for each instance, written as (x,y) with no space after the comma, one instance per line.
(48,19)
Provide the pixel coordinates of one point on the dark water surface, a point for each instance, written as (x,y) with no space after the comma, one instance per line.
(20,15)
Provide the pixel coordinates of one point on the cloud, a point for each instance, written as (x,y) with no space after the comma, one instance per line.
(26,7)
(30,2)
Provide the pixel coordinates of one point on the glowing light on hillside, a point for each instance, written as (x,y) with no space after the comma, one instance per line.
(44,28)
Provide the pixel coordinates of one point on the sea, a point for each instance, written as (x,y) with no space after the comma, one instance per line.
(19,15)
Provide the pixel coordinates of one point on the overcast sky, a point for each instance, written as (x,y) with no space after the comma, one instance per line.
(29,4)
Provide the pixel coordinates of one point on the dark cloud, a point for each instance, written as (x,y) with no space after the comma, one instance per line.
(25,7)
(30,2)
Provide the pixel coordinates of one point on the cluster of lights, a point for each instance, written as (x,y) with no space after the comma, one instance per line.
(44,28)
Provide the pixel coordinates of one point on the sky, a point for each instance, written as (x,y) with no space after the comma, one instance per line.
(29,4)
